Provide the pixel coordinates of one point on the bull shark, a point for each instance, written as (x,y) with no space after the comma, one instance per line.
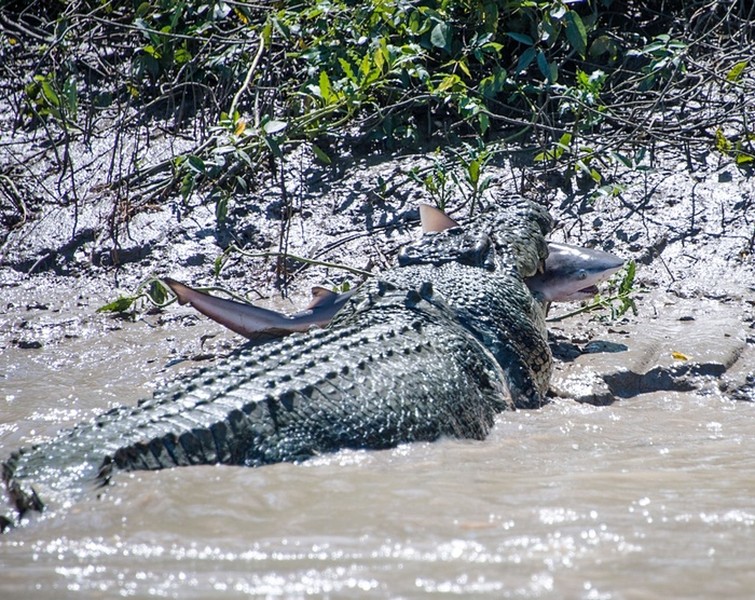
(570,273)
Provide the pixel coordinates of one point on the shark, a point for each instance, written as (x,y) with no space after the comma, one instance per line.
(258,323)
(570,273)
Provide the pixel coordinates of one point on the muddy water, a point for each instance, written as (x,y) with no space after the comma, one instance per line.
(650,497)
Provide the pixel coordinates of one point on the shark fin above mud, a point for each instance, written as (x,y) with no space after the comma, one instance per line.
(572,272)
(434,219)
(257,323)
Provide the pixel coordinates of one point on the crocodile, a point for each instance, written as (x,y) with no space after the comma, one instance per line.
(434,347)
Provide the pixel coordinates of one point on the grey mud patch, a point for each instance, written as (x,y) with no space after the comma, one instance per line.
(687,345)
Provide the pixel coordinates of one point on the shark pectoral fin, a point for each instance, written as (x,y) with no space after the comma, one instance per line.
(434,219)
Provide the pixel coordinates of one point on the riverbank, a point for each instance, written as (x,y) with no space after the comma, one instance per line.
(688,228)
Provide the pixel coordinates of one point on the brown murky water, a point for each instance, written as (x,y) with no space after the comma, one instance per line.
(650,497)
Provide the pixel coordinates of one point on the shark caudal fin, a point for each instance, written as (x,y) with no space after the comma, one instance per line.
(257,323)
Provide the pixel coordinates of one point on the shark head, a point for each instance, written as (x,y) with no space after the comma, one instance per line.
(572,273)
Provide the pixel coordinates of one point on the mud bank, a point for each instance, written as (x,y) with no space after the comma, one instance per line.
(638,464)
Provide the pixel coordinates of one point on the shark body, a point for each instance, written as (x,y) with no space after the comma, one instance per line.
(570,273)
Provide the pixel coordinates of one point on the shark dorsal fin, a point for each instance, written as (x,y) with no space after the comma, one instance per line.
(434,219)
(321,297)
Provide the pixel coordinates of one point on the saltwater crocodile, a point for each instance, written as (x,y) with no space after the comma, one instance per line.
(434,347)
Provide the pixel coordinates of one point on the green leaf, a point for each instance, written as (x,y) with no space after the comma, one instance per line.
(157,292)
(196,164)
(385,54)
(463,66)
(274,126)
(604,45)
(151,50)
(50,94)
(448,82)
(348,70)
(440,36)
(143,9)
(553,74)
(735,73)
(542,63)
(325,90)
(575,32)
(495,47)
(526,59)
(182,56)
(273,145)
(122,304)
(321,155)
(627,283)
(71,96)
(266,33)
(221,209)
(484,122)
(187,186)
(491,85)
(379,59)
(623,159)
(244,157)
(723,145)
(522,38)
(365,66)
